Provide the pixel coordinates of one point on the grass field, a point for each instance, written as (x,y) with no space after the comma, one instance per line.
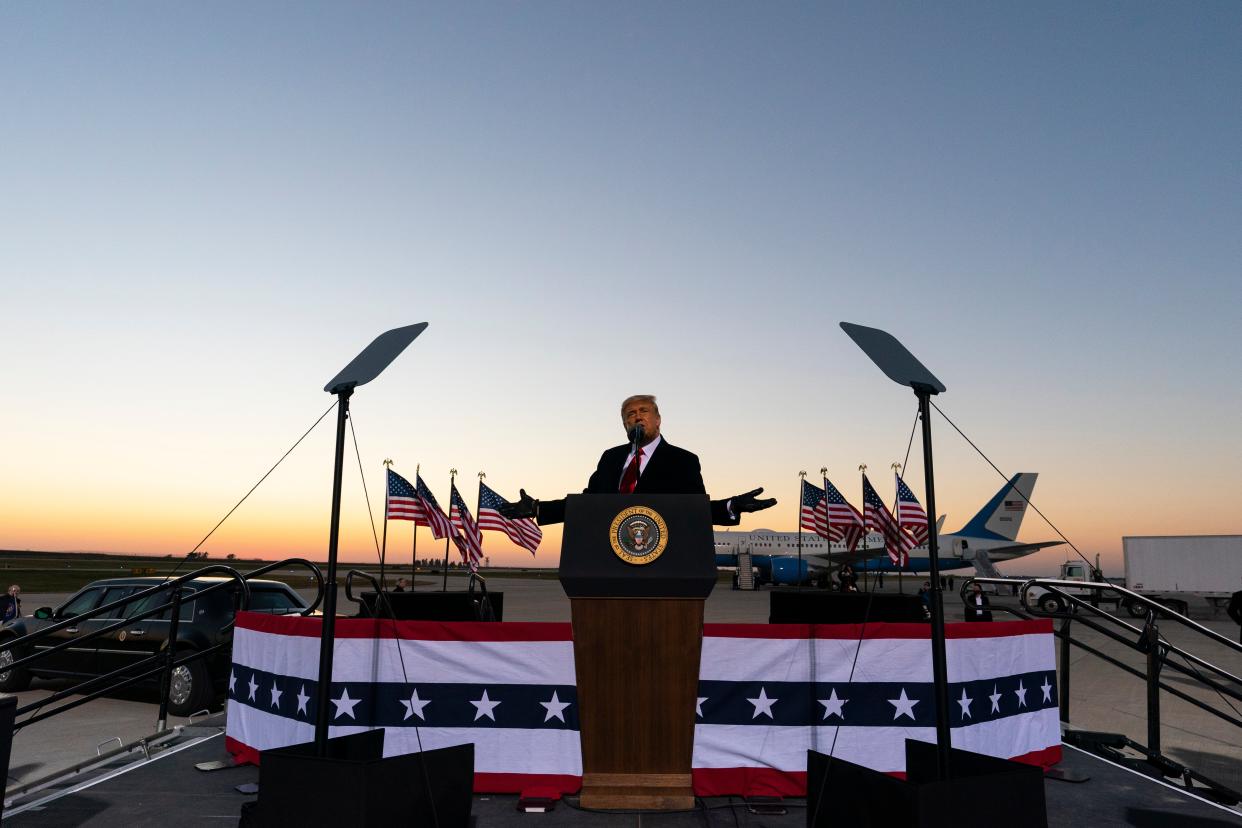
(61,572)
(66,572)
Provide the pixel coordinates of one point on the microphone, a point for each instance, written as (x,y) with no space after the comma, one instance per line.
(636,434)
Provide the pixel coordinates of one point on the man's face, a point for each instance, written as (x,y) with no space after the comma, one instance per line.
(643,412)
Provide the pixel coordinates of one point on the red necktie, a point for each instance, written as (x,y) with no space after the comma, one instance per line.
(629,480)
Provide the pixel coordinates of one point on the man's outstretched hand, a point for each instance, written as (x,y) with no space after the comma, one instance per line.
(750,502)
(525,507)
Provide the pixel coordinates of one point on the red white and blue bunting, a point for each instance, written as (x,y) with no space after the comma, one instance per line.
(767,693)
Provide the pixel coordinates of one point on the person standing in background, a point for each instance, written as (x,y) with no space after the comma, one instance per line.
(977,604)
(11,604)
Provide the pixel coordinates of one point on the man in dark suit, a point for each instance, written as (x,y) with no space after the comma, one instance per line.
(656,467)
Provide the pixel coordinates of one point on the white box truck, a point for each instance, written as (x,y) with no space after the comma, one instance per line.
(1189,574)
(1186,573)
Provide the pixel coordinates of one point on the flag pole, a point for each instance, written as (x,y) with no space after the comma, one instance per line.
(896,467)
(384,542)
(448,538)
(414,549)
(862,468)
(823,473)
(801,495)
(478,504)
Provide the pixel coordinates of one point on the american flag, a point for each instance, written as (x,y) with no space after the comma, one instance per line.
(910,514)
(896,541)
(432,516)
(524,532)
(814,509)
(844,522)
(466,532)
(402,500)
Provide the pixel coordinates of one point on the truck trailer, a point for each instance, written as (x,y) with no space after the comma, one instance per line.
(1186,573)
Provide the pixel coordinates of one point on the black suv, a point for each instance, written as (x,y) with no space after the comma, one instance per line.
(204,622)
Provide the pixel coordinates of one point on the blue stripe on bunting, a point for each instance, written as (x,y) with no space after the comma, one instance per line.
(872,704)
(423,704)
(532,706)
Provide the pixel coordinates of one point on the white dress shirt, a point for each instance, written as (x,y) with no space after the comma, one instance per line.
(648,450)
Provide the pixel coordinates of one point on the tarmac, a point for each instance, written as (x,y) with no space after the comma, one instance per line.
(1102,698)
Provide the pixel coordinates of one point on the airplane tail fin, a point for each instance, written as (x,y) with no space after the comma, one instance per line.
(1001,518)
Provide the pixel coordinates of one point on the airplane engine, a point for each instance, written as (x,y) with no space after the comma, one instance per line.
(787,571)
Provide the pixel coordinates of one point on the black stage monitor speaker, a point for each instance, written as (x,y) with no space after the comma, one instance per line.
(981,792)
(433,606)
(356,785)
(814,606)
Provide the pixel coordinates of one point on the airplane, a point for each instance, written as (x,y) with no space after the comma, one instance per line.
(988,537)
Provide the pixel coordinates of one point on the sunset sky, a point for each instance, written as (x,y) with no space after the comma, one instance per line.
(208,209)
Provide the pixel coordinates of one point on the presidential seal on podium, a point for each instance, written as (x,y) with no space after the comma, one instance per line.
(638,535)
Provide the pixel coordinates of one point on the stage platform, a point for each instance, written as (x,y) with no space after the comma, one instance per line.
(169,790)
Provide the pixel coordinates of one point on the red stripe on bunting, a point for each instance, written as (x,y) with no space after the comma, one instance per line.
(772,782)
(385,628)
(562,631)
(494,783)
(515,783)
(707,781)
(852,632)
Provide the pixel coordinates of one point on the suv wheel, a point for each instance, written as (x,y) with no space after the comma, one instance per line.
(12,680)
(189,689)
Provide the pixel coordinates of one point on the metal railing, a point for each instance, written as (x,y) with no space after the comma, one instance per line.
(1084,610)
(161,664)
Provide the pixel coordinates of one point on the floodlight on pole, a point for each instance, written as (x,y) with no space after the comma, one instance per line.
(368,365)
(903,368)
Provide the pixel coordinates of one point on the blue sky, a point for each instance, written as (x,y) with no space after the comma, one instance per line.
(209,208)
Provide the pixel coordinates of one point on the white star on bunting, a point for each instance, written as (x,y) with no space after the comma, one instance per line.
(903,706)
(276,694)
(995,697)
(556,708)
(1021,694)
(232,681)
(302,699)
(763,704)
(1047,688)
(345,705)
(833,706)
(698,705)
(485,707)
(415,705)
(254,686)
(965,701)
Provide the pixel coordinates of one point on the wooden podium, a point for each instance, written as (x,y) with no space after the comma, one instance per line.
(637,569)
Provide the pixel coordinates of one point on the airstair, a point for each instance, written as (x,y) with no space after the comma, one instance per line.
(745,571)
